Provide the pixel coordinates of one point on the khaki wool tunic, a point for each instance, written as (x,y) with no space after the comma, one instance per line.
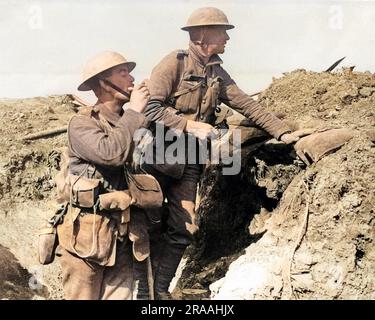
(181,70)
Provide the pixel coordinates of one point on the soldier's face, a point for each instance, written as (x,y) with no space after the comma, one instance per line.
(123,79)
(216,39)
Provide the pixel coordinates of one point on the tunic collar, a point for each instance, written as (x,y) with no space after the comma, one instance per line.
(111,117)
(215,59)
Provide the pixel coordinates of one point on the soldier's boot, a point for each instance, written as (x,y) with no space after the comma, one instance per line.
(140,269)
(142,293)
(167,267)
(140,274)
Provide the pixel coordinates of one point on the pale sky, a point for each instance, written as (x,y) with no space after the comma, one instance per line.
(45,43)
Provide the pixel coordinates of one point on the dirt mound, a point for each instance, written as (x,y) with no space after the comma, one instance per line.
(15,281)
(295,232)
(335,99)
(27,168)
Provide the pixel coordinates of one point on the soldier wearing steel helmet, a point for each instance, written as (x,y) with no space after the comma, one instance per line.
(97,257)
(185,87)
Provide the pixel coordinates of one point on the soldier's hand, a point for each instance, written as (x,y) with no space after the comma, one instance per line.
(296,135)
(116,200)
(289,138)
(200,130)
(139,97)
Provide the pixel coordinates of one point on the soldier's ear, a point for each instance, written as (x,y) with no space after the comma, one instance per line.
(104,86)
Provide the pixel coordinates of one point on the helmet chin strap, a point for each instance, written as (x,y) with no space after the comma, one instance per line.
(113,86)
(202,41)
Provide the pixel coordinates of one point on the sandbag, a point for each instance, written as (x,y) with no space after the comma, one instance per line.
(314,147)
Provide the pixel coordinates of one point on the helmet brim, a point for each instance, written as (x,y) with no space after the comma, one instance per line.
(84,85)
(189,27)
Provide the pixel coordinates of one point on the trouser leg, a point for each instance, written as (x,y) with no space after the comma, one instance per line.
(181,226)
(118,280)
(169,261)
(140,268)
(81,280)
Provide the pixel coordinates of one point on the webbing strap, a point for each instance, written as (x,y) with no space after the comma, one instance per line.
(184,91)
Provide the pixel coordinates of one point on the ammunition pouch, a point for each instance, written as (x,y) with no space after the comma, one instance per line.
(186,99)
(210,101)
(144,189)
(84,192)
(79,191)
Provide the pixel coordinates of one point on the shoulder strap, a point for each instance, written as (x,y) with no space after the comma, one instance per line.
(86,110)
(181,55)
(184,91)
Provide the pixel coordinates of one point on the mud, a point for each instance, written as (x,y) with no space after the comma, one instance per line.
(15,281)
(27,169)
